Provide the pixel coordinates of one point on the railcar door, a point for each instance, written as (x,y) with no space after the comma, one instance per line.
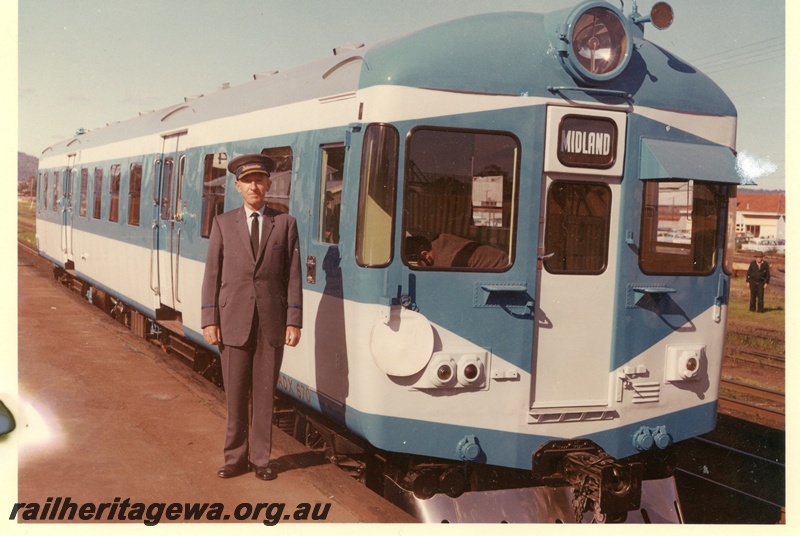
(169,222)
(576,271)
(66,209)
(324,264)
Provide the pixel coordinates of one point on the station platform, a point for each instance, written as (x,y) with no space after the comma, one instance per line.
(105,417)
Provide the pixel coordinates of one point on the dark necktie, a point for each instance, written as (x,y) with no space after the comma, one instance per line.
(254,234)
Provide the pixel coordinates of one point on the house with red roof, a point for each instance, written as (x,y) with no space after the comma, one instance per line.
(761,215)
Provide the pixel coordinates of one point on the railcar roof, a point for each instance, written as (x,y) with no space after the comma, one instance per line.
(292,85)
(503,53)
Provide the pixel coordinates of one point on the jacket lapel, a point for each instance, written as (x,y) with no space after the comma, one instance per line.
(267,223)
(242,229)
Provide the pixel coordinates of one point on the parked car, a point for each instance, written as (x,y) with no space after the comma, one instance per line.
(775,246)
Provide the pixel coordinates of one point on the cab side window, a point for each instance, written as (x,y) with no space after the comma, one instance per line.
(460,199)
(680,224)
(376,199)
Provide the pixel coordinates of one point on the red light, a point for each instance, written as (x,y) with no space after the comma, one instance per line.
(471,371)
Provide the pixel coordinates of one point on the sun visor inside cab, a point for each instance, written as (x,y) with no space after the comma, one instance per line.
(661,159)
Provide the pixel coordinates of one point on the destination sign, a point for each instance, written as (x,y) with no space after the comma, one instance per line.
(587,142)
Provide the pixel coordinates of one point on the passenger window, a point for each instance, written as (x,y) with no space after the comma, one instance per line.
(39,190)
(376,198)
(156,173)
(680,226)
(166,188)
(116,175)
(45,191)
(68,174)
(56,177)
(460,199)
(178,210)
(214,177)
(134,193)
(577,228)
(281,177)
(84,189)
(331,174)
(98,192)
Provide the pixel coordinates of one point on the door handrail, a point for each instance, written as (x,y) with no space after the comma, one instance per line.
(63,246)
(152,252)
(178,268)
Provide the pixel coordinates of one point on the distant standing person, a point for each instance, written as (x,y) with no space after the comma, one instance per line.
(758,280)
(252,308)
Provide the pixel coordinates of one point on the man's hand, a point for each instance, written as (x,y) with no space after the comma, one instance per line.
(292,335)
(211,334)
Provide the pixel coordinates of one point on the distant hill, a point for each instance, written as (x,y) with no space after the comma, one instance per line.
(27,166)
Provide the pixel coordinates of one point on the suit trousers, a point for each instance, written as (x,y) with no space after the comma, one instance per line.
(250,372)
(757,296)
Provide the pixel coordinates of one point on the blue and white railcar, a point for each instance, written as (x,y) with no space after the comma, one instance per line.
(516,231)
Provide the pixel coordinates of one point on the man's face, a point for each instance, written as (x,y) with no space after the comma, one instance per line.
(253,188)
(428,256)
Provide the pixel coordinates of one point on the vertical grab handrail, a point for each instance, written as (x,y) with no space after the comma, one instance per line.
(178,267)
(152,252)
(71,245)
(67,219)
(156,190)
(63,237)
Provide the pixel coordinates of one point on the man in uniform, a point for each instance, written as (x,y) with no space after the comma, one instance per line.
(251,308)
(757,280)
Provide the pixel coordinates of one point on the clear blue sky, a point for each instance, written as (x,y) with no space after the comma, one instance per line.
(85,63)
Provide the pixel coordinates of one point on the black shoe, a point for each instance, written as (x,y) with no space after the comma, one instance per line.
(232,470)
(266,472)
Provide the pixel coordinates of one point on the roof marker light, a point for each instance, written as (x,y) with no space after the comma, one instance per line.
(661,16)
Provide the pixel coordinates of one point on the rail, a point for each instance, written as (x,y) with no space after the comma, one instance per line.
(761,402)
(741,465)
(762,333)
(757,357)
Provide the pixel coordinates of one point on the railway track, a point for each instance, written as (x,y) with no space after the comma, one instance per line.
(27,249)
(757,357)
(755,352)
(761,333)
(747,482)
(767,405)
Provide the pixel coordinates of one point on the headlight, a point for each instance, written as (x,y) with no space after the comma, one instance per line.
(598,43)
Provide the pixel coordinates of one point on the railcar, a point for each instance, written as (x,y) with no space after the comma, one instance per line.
(516,231)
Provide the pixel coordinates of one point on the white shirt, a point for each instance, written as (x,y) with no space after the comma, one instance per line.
(250,218)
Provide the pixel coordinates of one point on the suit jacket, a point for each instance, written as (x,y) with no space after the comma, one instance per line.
(758,275)
(235,282)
